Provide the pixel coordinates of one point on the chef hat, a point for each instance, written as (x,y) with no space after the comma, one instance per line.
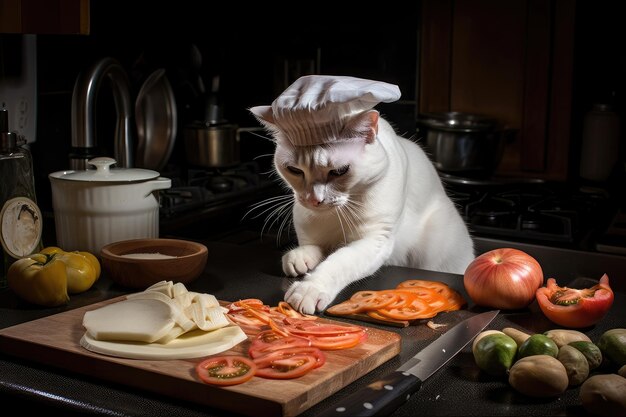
(313,109)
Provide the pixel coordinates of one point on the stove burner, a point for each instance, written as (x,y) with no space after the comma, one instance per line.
(535,211)
(200,188)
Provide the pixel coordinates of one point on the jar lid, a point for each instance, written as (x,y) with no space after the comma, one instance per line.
(456,121)
(104,172)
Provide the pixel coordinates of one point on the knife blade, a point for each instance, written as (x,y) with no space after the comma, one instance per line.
(386,394)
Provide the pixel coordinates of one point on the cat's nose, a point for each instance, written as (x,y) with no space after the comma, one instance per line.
(314,200)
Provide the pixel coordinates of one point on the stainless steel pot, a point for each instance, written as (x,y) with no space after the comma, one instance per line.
(212,146)
(462,143)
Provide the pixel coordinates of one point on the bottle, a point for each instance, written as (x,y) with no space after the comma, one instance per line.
(20,217)
(600,143)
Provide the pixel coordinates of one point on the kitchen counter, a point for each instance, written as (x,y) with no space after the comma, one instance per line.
(252,269)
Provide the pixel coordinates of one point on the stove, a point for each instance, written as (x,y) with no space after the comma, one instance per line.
(200,199)
(532,211)
(563,226)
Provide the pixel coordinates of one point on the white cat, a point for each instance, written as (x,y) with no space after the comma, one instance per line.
(364,196)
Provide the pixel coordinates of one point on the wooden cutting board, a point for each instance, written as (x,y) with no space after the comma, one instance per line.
(54,340)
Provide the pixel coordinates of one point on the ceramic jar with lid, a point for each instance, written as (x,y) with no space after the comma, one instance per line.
(93,208)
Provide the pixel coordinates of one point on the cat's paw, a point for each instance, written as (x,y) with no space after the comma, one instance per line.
(308,297)
(301,260)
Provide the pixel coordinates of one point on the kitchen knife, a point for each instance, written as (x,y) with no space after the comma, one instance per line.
(385,395)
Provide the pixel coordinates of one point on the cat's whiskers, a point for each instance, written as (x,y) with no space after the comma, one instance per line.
(287,221)
(348,214)
(275,207)
(271,200)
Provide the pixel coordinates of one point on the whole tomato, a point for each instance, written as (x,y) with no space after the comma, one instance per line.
(576,308)
(503,278)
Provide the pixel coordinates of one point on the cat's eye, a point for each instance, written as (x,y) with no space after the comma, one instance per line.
(294,170)
(339,171)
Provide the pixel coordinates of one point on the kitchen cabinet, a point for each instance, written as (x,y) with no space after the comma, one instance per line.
(510,60)
(44,16)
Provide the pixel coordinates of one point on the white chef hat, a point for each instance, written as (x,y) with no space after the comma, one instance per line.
(313,109)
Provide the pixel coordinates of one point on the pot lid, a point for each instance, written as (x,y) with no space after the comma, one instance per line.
(104,172)
(457,121)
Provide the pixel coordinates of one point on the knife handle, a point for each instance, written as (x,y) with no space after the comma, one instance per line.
(380,398)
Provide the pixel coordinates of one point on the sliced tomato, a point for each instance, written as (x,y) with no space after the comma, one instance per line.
(320,329)
(283,364)
(435,285)
(377,316)
(286,309)
(414,309)
(373,300)
(266,360)
(268,341)
(248,302)
(226,370)
(343,341)
(344,308)
(576,308)
(429,295)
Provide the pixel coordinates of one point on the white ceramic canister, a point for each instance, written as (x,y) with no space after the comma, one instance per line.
(93,208)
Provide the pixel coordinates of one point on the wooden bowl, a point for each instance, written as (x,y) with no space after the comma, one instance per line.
(139,263)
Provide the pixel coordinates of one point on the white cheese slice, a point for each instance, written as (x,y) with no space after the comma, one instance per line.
(140,320)
(166,287)
(178,313)
(194,344)
(172,334)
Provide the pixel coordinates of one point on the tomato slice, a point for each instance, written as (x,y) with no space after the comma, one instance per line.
(226,370)
(576,308)
(283,364)
(286,309)
(429,295)
(377,316)
(344,308)
(320,329)
(373,300)
(266,360)
(342,341)
(413,309)
(268,341)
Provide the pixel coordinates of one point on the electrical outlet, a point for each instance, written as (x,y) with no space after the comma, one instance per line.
(18,91)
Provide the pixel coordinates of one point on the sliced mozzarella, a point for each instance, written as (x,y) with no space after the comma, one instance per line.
(207,319)
(162,286)
(171,335)
(178,314)
(192,344)
(140,320)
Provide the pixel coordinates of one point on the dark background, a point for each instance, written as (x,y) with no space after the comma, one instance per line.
(247,46)
(257,49)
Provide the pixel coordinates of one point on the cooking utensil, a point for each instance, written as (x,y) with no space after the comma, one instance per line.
(93,208)
(212,146)
(462,143)
(385,395)
(156,116)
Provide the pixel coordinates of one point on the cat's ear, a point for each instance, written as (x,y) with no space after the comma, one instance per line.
(364,125)
(264,115)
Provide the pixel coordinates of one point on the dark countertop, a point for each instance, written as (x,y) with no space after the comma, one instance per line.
(237,270)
